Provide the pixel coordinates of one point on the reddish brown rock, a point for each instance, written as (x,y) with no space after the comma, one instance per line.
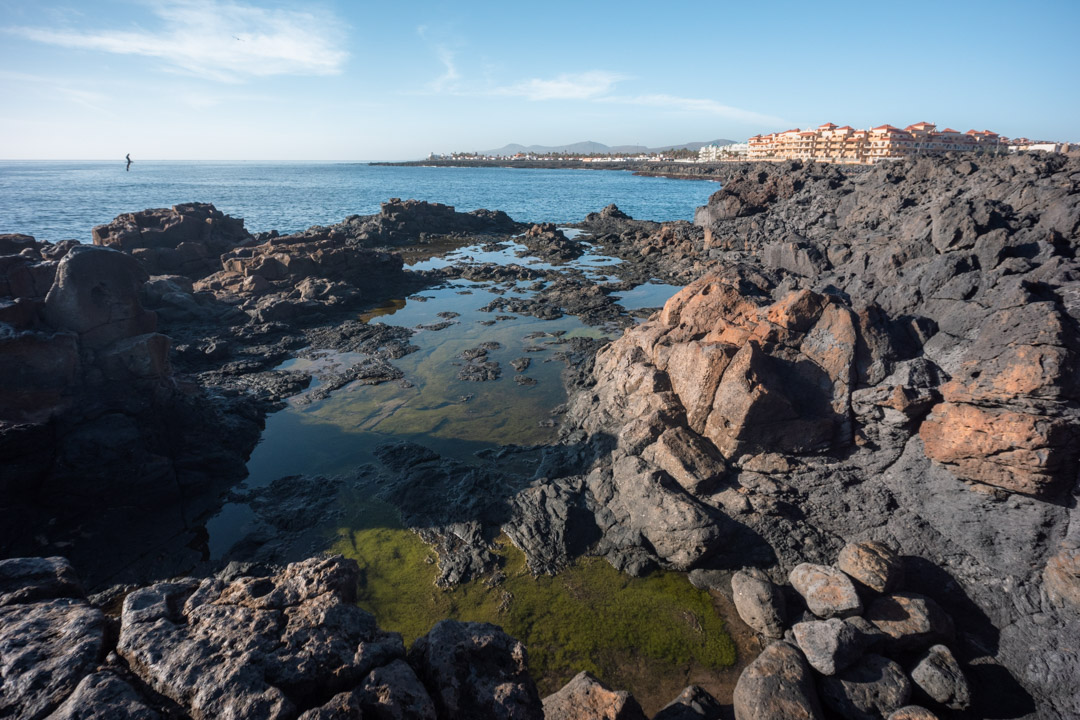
(872,564)
(1061,578)
(827,591)
(910,620)
(1018,451)
(586,698)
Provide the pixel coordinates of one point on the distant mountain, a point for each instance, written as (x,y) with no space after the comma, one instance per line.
(594,148)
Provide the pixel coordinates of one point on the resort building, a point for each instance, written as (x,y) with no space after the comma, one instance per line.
(885,142)
(717,153)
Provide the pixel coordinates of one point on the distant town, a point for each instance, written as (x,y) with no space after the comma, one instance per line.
(826,143)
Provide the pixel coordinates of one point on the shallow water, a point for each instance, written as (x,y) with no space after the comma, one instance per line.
(652,635)
(60,200)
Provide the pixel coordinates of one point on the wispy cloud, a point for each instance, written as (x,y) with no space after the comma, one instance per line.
(450,76)
(219,39)
(571,86)
(697,106)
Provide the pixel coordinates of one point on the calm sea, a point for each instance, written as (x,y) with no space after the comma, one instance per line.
(61,200)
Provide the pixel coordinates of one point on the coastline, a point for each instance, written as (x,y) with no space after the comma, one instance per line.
(673,170)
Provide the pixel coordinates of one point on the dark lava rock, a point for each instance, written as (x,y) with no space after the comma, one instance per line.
(187,239)
(476,670)
(391,692)
(104,696)
(47,646)
(939,676)
(910,620)
(255,647)
(869,690)
(24,580)
(586,697)
(778,684)
(829,645)
(693,703)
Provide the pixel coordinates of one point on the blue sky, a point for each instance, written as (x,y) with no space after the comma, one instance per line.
(344,81)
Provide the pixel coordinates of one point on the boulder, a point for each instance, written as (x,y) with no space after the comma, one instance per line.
(687,458)
(257,645)
(680,530)
(868,690)
(909,620)
(1017,451)
(759,602)
(391,692)
(778,685)
(46,648)
(96,294)
(939,676)
(586,698)
(476,670)
(830,645)
(693,703)
(827,591)
(24,580)
(872,564)
(104,695)
(186,239)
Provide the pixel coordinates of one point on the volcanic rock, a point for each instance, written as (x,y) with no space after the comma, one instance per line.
(586,698)
(827,591)
(693,703)
(759,602)
(255,646)
(778,684)
(911,621)
(939,676)
(871,689)
(830,645)
(872,564)
(476,670)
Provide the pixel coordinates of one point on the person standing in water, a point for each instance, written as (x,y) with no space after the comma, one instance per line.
(128,158)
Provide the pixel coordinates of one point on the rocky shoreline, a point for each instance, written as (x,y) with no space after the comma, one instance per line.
(869,374)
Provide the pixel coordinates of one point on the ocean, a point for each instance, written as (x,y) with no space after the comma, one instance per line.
(59,200)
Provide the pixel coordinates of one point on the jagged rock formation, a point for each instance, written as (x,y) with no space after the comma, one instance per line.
(884,355)
(271,645)
(186,239)
(399,222)
(94,428)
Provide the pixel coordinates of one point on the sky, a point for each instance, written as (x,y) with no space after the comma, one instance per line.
(365,81)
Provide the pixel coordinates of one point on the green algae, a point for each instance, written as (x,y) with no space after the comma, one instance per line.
(588,617)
